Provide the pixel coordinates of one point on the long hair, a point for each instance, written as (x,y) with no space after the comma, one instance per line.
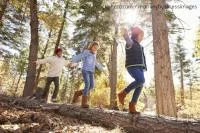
(92,44)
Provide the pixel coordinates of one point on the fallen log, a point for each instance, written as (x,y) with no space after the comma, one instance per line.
(131,123)
(112,119)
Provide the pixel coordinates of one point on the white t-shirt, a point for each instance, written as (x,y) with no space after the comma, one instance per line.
(56,65)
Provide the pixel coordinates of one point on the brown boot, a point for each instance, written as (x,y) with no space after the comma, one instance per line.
(84,103)
(76,95)
(132,109)
(121,96)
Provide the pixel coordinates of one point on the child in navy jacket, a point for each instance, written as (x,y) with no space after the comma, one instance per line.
(135,64)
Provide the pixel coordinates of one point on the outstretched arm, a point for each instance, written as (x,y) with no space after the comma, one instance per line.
(43,61)
(79,57)
(101,68)
(126,37)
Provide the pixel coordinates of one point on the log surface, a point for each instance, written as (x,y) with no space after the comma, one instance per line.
(112,119)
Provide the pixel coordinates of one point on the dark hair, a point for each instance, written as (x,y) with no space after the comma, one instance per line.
(58,50)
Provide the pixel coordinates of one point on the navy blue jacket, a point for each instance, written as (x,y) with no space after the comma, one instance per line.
(134,54)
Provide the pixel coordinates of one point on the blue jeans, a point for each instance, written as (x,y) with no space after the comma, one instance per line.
(138,74)
(88,78)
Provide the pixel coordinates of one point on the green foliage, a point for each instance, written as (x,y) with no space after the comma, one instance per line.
(94,23)
(13,29)
(197,44)
(180,62)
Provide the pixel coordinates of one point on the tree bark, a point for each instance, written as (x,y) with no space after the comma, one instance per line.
(43,55)
(31,72)
(18,81)
(13,83)
(3,5)
(112,119)
(128,122)
(62,27)
(165,95)
(182,83)
(113,73)
(190,89)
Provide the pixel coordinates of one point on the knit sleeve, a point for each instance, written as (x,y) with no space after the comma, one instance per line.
(99,66)
(128,40)
(43,61)
(79,57)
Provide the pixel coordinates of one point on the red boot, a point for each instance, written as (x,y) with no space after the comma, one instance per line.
(132,108)
(121,96)
(84,103)
(76,96)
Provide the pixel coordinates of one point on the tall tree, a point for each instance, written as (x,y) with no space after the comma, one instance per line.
(193,76)
(62,25)
(3,5)
(113,71)
(182,65)
(165,95)
(94,23)
(31,72)
(13,30)
(197,44)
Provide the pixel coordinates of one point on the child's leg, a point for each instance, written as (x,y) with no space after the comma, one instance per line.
(136,94)
(47,86)
(56,83)
(140,81)
(138,75)
(91,76)
(86,78)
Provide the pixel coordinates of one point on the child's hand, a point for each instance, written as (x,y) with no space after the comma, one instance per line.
(123,30)
(71,64)
(105,73)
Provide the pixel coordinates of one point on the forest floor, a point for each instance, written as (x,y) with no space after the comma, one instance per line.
(16,119)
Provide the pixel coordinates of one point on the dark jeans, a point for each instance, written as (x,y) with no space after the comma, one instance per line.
(138,74)
(88,78)
(47,86)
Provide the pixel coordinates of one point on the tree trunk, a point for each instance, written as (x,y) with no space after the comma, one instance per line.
(43,55)
(165,95)
(3,5)
(31,72)
(190,91)
(182,83)
(62,27)
(113,73)
(16,88)
(13,83)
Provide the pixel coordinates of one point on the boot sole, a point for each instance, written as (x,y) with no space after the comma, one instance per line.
(85,107)
(134,113)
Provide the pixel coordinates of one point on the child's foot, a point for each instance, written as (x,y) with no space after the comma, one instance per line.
(84,103)
(121,96)
(132,108)
(76,96)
